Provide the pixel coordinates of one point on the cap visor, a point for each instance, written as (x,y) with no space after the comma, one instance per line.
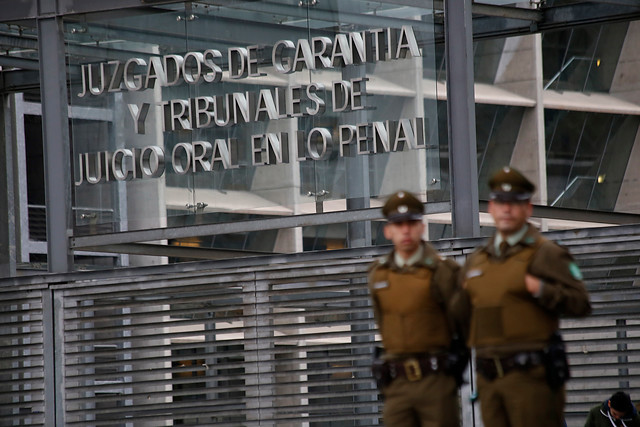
(409,216)
(509,197)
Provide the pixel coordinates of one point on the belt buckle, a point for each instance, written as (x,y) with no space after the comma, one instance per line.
(412,369)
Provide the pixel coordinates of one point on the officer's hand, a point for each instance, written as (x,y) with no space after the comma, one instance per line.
(533,284)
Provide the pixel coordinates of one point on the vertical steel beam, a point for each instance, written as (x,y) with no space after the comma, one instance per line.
(458,37)
(53,351)
(623,359)
(8,248)
(55,128)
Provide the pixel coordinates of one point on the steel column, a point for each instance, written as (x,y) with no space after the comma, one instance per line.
(55,128)
(461,119)
(53,354)
(8,250)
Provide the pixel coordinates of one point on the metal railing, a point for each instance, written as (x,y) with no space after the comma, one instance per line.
(279,340)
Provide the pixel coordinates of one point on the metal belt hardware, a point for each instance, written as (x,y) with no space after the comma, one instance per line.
(412,369)
(499,369)
(434,363)
(393,372)
(524,359)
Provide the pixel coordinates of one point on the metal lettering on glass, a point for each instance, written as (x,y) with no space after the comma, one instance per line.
(262,105)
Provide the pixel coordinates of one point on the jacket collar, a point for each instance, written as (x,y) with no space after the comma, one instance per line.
(528,239)
(429,258)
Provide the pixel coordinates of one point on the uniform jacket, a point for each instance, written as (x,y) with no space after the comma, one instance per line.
(410,303)
(599,417)
(493,306)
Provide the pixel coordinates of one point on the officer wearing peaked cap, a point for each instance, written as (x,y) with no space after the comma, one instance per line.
(403,206)
(513,290)
(508,184)
(410,289)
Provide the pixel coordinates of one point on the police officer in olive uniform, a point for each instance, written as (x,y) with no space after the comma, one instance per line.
(410,288)
(513,290)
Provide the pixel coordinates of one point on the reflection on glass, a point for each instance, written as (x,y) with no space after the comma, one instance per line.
(587,155)
(582,59)
(487,55)
(189,115)
(497,128)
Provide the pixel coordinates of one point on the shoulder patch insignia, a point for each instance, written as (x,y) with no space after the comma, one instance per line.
(529,240)
(381,285)
(381,260)
(429,261)
(575,271)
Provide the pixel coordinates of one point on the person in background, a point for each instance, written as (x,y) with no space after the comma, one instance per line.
(617,411)
(410,289)
(512,292)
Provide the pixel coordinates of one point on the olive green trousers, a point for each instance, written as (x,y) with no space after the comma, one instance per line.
(429,402)
(522,398)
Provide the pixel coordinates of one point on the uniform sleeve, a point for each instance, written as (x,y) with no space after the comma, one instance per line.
(374,301)
(446,290)
(445,279)
(563,291)
(460,304)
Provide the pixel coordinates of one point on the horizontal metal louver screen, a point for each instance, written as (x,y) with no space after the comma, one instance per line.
(287,347)
(604,347)
(21,359)
(255,343)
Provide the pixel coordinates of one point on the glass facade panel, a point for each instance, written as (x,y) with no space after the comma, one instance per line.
(212,114)
(497,128)
(487,54)
(197,113)
(582,59)
(587,154)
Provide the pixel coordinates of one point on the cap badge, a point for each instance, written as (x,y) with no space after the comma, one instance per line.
(506,187)
(403,209)
(401,194)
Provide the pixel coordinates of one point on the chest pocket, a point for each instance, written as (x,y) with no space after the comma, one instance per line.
(503,310)
(412,322)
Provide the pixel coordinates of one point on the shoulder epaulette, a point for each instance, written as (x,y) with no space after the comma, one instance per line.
(381,260)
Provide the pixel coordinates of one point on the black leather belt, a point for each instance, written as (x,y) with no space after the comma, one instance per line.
(415,368)
(497,367)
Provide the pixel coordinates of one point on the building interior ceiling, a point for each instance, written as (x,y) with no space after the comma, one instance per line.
(86,35)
